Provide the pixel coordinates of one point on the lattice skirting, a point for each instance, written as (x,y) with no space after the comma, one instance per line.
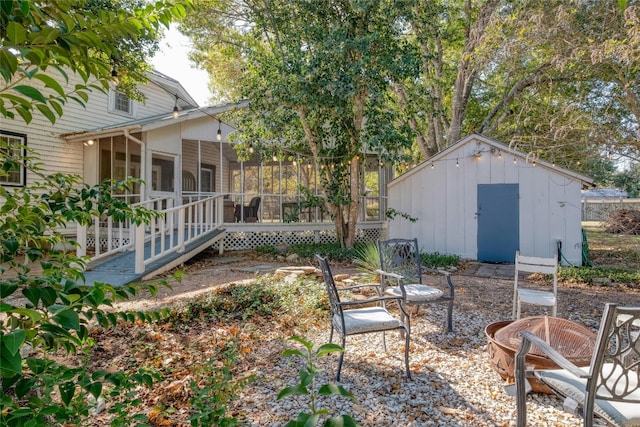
(247,240)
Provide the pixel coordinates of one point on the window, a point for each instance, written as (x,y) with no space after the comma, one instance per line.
(121,102)
(13,145)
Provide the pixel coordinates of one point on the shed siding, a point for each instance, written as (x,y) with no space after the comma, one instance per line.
(443,196)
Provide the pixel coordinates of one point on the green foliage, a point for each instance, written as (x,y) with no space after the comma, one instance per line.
(307,387)
(331,250)
(590,274)
(237,301)
(43,43)
(367,258)
(266,250)
(214,392)
(438,260)
(392,214)
(46,307)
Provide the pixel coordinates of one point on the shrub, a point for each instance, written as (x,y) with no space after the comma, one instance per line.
(36,390)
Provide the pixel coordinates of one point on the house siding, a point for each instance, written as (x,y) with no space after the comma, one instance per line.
(58,155)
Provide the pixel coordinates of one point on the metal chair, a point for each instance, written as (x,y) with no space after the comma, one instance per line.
(609,388)
(400,264)
(352,321)
(531,264)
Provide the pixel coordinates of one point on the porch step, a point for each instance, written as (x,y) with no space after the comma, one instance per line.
(119,269)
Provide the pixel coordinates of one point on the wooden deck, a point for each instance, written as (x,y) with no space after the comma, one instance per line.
(119,269)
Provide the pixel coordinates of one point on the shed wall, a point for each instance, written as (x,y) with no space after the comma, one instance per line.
(443,197)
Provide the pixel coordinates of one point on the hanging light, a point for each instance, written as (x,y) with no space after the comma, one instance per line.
(295,163)
(457,164)
(219,133)
(514,161)
(114,76)
(500,155)
(432,166)
(275,158)
(176,112)
(251,147)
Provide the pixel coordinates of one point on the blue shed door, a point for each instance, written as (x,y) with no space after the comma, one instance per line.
(498,222)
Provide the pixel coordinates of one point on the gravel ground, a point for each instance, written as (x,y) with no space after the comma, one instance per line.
(453,382)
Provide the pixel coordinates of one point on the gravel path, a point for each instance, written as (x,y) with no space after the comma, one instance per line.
(453,383)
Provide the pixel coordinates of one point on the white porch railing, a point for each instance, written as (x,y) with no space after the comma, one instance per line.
(170,231)
(175,228)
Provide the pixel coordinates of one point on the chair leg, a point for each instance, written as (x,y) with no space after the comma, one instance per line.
(450,316)
(341,358)
(331,334)
(407,339)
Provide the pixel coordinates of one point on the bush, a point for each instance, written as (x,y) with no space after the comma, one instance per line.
(36,390)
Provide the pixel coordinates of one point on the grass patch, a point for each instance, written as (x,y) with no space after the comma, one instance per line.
(617,251)
(615,257)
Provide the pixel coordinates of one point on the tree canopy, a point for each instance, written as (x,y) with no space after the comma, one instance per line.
(555,79)
(42,42)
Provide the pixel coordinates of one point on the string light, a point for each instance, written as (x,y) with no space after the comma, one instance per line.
(176,112)
(457,164)
(515,160)
(275,158)
(432,166)
(219,133)
(251,147)
(500,155)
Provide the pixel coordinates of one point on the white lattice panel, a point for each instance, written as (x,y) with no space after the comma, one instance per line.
(250,238)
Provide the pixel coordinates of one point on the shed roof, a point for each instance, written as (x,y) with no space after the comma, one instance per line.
(585,180)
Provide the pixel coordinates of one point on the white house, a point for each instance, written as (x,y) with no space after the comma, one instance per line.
(482,200)
(189,168)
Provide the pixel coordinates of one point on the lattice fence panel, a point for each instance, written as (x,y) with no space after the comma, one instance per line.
(246,240)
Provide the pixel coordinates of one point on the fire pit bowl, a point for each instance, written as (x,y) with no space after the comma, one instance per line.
(573,340)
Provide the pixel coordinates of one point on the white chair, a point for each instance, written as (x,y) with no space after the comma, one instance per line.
(531,264)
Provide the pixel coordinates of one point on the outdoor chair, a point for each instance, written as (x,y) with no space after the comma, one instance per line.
(531,264)
(609,388)
(401,276)
(248,213)
(371,317)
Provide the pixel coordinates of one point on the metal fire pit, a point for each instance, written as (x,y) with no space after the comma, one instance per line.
(573,340)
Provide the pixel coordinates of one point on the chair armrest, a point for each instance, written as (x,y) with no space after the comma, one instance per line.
(396,276)
(369,301)
(446,274)
(434,270)
(363,285)
(528,338)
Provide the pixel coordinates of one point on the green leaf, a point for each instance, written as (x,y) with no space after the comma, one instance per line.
(33,315)
(68,319)
(23,386)
(13,341)
(7,289)
(46,111)
(340,421)
(297,390)
(329,348)
(50,83)
(67,390)
(334,390)
(31,92)
(16,32)
(10,364)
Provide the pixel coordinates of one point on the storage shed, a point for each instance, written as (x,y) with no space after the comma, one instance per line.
(482,200)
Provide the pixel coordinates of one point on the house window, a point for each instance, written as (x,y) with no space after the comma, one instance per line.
(13,145)
(207,178)
(122,102)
